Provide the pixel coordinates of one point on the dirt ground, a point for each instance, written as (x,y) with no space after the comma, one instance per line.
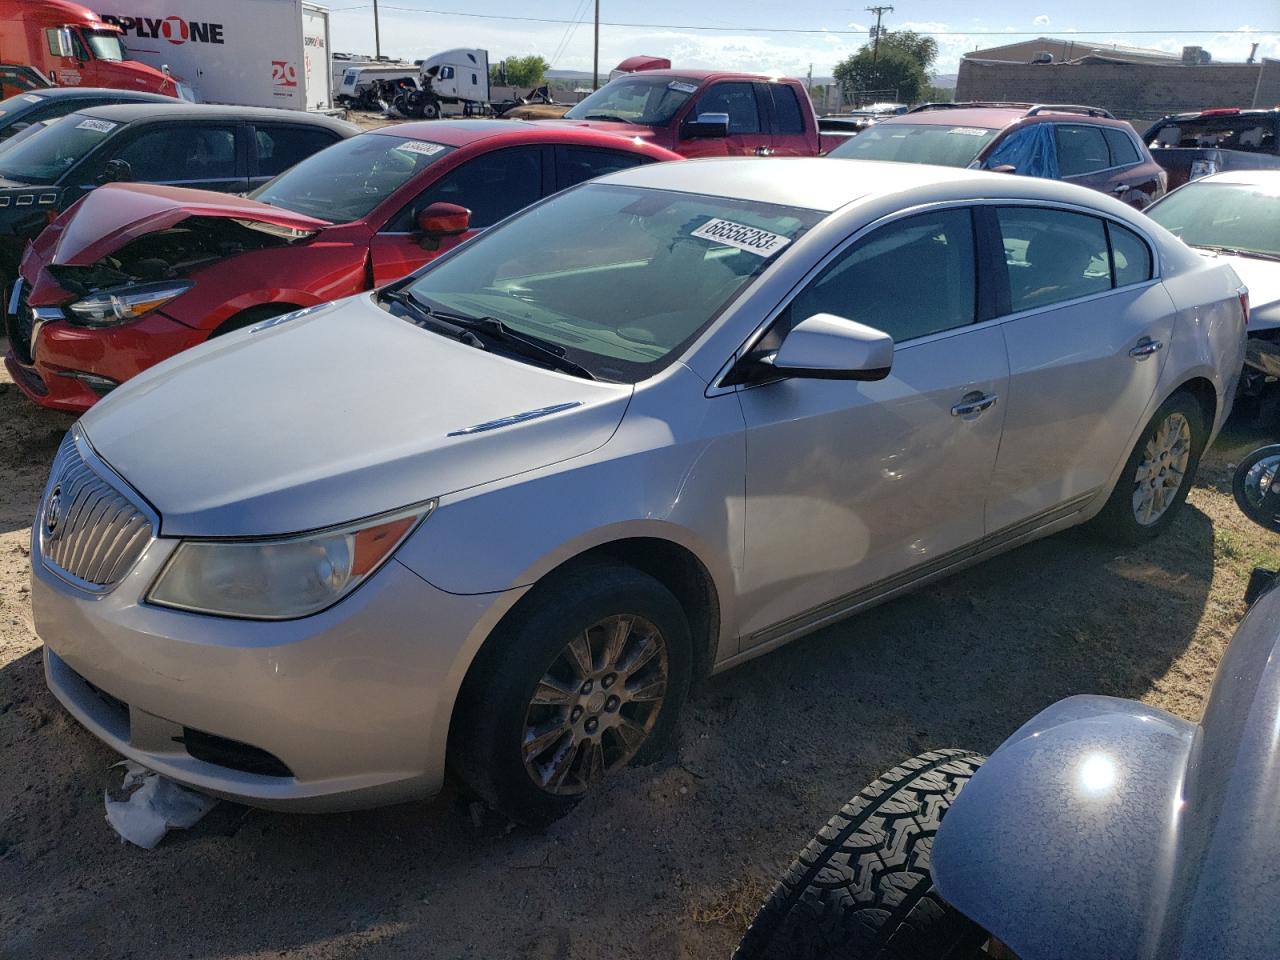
(671,860)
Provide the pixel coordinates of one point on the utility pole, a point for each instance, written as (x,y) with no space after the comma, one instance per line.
(595,59)
(875,40)
(377,40)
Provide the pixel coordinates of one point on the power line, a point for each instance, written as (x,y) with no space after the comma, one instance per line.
(807,30)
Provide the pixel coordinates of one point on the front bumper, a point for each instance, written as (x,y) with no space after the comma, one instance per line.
(351,704)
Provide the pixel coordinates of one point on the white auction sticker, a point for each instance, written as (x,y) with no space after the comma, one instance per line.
(32,98)
(682,86)
(102,126)
(967,131)
(420,146)
(751,239)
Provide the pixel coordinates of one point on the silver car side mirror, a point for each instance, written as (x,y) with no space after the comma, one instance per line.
(828,347)
(707,126)
(1256,486)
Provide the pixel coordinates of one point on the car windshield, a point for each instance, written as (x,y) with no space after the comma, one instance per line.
(1237,216)
(620,278)
(346,181)
(956,146)
(1226,132)
(44,159)
(645,100)
(105,45)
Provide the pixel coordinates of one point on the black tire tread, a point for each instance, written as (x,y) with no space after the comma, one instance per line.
(862,888)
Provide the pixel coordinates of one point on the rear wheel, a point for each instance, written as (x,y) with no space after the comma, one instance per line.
(862,888)
(585,677)
(1158,475)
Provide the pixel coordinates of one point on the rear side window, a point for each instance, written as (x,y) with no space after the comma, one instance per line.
(575,165)
(909,279)
(1123,149)
(738,100)
(787,116)
(1081,150)
(492,186)
(1130,255)
(279,148)
(1052,256)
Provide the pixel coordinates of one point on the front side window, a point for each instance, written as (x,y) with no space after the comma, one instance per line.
(908,279)
(60,146)
(346,181)
(492,186)
(917,143)
(174,155)
(1240,217)
(279,148)
(651,101)
(1052,256)
(621,278)
(1081,150)
(738,100)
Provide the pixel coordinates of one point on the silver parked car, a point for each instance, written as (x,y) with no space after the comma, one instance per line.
(502,513)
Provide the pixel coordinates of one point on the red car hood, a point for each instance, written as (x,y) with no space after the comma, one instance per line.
(605,126)
(112,215)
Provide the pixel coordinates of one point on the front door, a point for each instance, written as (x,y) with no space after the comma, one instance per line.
(1085,356)
(748,125)
(203,156)
(492,186)
(851,485)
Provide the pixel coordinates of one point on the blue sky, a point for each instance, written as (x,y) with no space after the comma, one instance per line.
(409,30)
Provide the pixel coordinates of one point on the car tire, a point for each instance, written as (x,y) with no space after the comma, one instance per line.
(541,718)
(1125,518)
(862,888)
(247,318)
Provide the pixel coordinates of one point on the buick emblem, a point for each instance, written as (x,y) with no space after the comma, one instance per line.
(53,512)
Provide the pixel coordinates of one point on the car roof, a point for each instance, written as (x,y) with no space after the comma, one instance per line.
(701,75)
(828,183)
(461,133)
(1248,178)
(996,117)
(141,112)
(68,93)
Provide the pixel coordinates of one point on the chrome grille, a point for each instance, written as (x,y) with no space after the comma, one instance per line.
(90,532)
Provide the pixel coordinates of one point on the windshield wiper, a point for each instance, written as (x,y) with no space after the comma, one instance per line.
(606,116)
(421,315)
(1240,252)
(533,348)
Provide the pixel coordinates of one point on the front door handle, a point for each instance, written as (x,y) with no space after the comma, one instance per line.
(974,403)
(763,151)
(1146,347)
(1120,188)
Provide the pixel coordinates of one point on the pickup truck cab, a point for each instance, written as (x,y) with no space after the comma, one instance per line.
(705,113)
(1194,145)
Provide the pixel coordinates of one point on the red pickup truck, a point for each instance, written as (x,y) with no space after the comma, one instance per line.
(705,113)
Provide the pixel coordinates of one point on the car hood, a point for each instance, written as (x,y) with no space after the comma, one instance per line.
(1262,277)
(605,126)
(112,215)
(342,412)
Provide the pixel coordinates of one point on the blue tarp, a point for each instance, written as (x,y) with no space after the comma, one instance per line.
(1031,152)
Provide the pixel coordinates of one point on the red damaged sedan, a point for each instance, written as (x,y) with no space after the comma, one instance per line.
(134,273)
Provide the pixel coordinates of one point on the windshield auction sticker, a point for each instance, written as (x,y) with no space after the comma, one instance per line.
(751,239)
(102,126)
(420,146)
(683,87)
(32,98)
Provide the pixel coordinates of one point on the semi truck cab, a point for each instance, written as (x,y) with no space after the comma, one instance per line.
(74,47)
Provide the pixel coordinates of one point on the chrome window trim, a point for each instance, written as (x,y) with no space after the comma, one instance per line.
(718,386)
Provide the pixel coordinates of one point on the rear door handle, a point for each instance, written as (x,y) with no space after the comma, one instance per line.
(1146,347)
(763,151)
(1120,188)
(974,403)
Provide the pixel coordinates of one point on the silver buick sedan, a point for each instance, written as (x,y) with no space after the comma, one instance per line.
(499,516)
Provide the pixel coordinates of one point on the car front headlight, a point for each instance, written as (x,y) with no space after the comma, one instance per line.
(119,304)
(282,578)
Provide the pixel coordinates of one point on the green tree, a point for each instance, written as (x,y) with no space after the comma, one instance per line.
(527,71)
(924,50)
(893,72)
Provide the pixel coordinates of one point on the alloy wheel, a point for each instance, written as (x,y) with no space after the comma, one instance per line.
(596,704)
(1162,470)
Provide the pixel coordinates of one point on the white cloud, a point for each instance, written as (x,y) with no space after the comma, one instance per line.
(1042,20)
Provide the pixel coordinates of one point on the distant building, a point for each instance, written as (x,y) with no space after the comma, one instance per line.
(1132,82)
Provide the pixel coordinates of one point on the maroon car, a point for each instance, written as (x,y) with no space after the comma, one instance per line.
(1083,145)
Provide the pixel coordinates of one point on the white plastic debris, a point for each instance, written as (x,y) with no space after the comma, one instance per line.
(155,806)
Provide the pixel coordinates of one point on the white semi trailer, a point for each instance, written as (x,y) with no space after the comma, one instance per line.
(265,53)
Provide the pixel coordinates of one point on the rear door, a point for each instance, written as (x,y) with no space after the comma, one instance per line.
(786,114)
(275,147)
(1086,344)
(1132,178)
(748,124)
(203,156)
(1083,156)
(492,186)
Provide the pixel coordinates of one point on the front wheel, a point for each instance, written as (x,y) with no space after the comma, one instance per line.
(1157,476)
(862,889)
(588,674)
